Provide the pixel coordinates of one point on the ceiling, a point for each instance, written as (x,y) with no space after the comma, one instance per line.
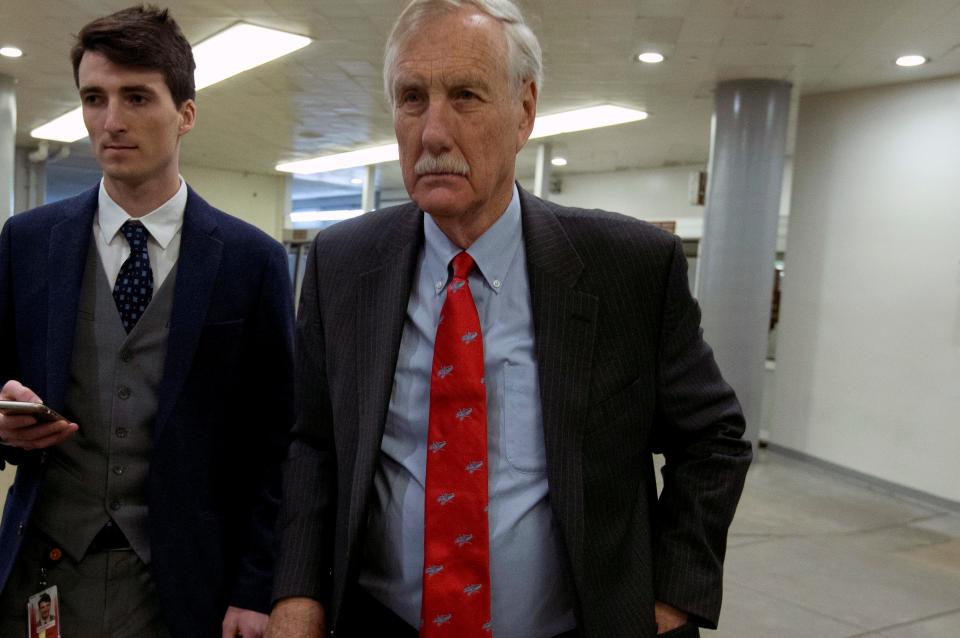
(327,97)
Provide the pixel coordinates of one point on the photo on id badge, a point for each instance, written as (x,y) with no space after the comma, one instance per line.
(43,614)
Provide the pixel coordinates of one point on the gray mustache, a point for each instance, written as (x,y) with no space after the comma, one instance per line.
(446,163)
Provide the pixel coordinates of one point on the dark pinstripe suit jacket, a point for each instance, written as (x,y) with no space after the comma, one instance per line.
(623,371)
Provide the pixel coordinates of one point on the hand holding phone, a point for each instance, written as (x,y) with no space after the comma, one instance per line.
(26,423)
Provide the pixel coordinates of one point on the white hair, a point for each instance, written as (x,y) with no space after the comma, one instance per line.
(524,57)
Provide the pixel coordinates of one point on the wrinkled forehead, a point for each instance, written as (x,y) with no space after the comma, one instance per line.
(454,43)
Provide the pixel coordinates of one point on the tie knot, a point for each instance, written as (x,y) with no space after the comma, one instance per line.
(462,265)
(136,234)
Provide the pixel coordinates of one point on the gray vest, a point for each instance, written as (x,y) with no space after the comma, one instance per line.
(101,472)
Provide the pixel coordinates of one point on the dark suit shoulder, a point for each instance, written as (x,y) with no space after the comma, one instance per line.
(43,217)
(359,243)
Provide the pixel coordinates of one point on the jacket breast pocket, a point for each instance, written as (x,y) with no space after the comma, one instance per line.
(614,443)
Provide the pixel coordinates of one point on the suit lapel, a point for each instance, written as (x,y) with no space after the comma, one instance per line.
(564,321)
(197,268)
(67,257)
(383,294)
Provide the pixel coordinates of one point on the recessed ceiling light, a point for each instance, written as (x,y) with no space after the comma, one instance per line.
(11,52)
(232,51)
(356,181)
(323,215)
(559,161)
(650,57)
(911,60)
(545,125)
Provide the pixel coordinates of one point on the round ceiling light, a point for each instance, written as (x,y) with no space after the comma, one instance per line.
(650,57)
(911,60)
(11,52)
(559,161)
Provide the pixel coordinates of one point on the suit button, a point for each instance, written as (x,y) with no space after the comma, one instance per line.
(118,470)
(122,433)
(126,356)
(123,392)
(20,528)
(115,505)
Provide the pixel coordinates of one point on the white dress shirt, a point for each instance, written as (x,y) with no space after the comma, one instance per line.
(163,226)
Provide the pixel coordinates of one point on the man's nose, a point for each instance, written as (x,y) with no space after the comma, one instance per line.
(114,122)
(438,128)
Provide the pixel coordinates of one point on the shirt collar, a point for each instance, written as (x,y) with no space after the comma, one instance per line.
(163,223)
(493,251)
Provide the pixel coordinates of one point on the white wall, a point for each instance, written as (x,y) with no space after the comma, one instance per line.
(258,199)
(868,358)
(654,194)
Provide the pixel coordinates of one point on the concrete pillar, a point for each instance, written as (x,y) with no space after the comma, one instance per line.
(735,268)
(8,141)
(29,179)
(541,181)
(368,201)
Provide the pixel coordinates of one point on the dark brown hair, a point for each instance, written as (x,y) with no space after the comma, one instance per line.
(141,36)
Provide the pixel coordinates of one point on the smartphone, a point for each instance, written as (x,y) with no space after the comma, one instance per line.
(37,410)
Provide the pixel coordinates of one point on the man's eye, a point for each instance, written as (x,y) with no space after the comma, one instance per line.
(464,94)
(137,99)
(91,99)
(410,97)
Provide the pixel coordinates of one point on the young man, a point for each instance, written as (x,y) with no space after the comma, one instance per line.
(150,320)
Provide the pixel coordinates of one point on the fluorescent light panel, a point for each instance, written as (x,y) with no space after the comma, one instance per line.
(545,126)
(584,119)
(351,159)
(232,51)
(323,215)
(241,48)
(68,128)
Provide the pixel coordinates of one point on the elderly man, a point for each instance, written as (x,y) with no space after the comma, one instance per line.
(483,378)
(145,316)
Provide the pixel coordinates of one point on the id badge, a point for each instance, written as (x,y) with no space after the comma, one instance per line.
(43,614)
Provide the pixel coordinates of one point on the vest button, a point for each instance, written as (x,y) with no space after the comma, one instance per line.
(123,392)
(115,505)
(118,470)
(121,433)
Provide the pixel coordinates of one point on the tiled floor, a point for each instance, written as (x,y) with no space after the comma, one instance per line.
(819,555)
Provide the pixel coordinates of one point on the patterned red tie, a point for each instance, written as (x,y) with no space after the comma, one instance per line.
(456,555)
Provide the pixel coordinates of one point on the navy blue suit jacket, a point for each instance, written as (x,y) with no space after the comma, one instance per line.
(225,399)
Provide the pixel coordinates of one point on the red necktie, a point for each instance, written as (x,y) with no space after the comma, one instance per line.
(456,553)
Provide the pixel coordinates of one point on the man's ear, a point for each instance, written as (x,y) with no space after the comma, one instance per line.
(188,117)
(528,102)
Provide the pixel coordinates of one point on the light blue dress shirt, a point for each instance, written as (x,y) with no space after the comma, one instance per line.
(530,590)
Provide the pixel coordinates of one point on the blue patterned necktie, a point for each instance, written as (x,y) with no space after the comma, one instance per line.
(134,288)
